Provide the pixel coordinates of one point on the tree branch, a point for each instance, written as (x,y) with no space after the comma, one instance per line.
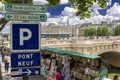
(3,22)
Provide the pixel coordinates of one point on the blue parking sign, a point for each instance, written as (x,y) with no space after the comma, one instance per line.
(25,37)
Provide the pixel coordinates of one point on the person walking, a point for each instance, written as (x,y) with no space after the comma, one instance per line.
(65,73)
(6,61)
(3,54)
(52,76)
(116,77)
(58,74)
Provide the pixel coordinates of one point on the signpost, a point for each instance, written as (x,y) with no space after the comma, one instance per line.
(25,64)
(25,8)
(25,46)
(25,17)
(25,37)
(22,60)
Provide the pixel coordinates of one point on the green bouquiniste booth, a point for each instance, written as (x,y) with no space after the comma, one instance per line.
(82,66)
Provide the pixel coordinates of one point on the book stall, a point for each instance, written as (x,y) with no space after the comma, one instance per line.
(51,58)
(80,66)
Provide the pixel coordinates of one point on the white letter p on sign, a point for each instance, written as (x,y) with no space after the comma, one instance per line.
(22,37)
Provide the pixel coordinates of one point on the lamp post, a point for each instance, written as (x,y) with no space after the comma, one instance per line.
(0,72)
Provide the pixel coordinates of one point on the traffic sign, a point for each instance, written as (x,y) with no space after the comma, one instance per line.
(25,37)
(25,72)
(25,17)
(25,8)
(28,59)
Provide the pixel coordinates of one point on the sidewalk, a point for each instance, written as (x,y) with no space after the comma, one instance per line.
(4,75)
(7,76)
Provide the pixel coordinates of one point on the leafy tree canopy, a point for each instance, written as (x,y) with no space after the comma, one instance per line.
(117,30)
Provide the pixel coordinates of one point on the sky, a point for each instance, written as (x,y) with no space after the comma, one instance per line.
(65,12)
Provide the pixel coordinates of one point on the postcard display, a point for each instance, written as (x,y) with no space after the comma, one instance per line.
(86,69)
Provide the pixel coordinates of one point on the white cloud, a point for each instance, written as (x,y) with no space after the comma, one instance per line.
(39,2)
(50,20)
(112,14)
(48,14)
(63,20)
(94,10)
(64,1)
(68,11)
(1,5)
(1,16)
(114,11)
(109,2)
(42,2)
(7,28)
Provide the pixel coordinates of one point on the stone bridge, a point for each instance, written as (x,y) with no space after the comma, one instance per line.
(107,49)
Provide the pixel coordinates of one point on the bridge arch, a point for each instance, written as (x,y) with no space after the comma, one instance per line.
(111,56)
(99,52)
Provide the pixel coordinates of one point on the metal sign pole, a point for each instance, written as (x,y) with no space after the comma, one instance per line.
(27,2)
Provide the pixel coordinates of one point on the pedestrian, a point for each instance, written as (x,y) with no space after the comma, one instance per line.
(43,68)
(65,73)
(52,76)
(62,71)
(53,67)
(3,55)
(6,61)
(116,77)
(58,74)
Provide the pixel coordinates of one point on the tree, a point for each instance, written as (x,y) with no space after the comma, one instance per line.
(99,31)
(117,30)
(91,31)
(86,32)
(105,31)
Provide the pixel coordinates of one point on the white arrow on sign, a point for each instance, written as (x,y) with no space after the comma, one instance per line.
(28,72)
(19,72)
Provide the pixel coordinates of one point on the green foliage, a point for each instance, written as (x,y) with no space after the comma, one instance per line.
(11,1)
(83,6)
(86,32)
(99,31)
(117,30)
(14,1)
(53,3)
(1,9)
(105,31)
(91,31)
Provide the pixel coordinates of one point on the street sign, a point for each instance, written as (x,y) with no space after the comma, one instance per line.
(27,59)
(25,72)
(25,17)
(25,37)
(25,8)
